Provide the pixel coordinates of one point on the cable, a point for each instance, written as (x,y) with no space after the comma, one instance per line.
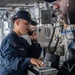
(55,48)
(51,40)
(47,30)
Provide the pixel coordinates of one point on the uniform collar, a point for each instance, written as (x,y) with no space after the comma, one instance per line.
(13,33)
(20,39)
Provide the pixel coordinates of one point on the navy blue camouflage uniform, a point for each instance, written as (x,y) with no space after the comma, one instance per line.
(16,54)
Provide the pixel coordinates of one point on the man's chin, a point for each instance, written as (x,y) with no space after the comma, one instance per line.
(25,33)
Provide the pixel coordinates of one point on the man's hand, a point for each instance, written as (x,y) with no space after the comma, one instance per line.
(34,35)
(37,62)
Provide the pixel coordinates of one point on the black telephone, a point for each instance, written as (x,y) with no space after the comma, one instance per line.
(30,32)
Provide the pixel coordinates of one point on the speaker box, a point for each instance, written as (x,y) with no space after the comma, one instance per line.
(46,17)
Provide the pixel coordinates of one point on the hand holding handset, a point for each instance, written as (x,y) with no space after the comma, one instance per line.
(30,32)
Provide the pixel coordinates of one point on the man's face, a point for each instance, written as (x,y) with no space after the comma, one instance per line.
(61,5)
(23,26)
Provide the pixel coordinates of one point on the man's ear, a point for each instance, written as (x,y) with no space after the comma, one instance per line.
(17,22)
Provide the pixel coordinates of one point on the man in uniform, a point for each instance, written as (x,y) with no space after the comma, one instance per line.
(16,53)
